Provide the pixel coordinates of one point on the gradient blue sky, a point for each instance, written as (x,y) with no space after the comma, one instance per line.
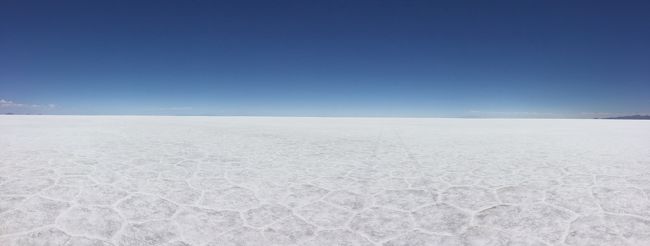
(326,58)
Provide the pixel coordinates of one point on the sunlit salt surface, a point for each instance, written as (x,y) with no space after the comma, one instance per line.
(91,180)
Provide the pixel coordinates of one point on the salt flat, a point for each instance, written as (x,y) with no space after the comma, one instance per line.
(100,180)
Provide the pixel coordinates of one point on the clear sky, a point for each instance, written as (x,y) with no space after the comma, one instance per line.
(326,58)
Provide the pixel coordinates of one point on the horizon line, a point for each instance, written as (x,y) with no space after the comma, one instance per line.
(323,116)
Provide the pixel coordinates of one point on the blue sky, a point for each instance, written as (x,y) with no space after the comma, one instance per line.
(326,58)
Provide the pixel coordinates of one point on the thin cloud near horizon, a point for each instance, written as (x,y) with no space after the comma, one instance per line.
(11,104)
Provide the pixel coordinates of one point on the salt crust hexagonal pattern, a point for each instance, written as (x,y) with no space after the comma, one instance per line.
(119,180)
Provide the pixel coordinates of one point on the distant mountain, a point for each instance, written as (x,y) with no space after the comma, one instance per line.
(629,117)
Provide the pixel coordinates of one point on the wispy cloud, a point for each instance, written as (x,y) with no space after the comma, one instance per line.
(517,114)
(177,108)
(597,113)
(11,104)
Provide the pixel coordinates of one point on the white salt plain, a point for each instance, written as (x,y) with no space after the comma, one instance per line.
(100,180)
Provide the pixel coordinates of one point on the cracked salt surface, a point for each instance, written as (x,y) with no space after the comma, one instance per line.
(100,180)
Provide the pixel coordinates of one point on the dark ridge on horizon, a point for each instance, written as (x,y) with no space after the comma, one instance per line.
(628,117)
(323,116)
